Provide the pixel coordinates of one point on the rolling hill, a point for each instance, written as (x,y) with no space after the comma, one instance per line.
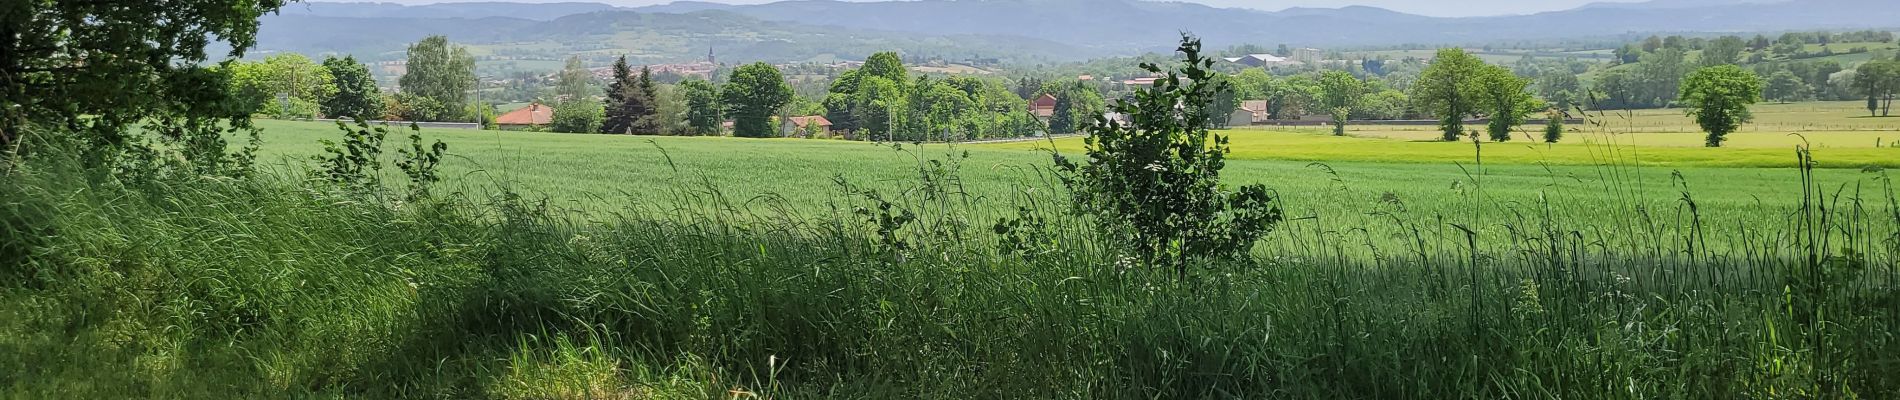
(644,37)
(1008,30)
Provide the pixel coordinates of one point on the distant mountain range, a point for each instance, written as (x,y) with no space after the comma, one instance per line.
(1011,30)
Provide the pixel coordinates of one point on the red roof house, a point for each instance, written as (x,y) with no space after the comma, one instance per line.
(533,115)
(800,125)
(1043,106)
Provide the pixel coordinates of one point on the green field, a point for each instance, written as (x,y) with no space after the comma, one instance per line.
(1332,179)
(1840,134)
(594,266)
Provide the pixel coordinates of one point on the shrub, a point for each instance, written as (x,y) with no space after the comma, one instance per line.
(1554,127)
(576,117)
(1154,184)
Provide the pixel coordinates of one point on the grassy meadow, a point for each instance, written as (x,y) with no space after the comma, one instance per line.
(555,266)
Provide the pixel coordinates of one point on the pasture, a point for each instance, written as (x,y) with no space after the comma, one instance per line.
(595,266)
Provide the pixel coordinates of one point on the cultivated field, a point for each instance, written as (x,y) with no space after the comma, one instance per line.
(1359,181)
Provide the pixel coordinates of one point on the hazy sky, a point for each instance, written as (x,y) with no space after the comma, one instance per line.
(1440,8)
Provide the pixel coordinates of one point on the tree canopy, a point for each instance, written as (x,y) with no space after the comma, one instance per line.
(1339,93)
(155,73)
(442,73)
(356,95)
(1718,98)
(1446,87)
(703,113)
(753,94)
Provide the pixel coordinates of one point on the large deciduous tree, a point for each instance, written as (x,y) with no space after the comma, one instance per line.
(300,82)
(576,116)
(356,94)
(885,65)
(574,83)
(1445,89)
(1723,50)
(703,111)
(1879,81)
(1784,87)
(443,73)
(753,93)
(97,68)
(1718,98)
(1503,98)
(1339,93)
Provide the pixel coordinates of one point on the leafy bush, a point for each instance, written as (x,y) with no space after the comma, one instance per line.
(578,116)
(1154,183)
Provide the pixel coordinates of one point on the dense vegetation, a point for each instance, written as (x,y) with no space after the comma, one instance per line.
(141,256)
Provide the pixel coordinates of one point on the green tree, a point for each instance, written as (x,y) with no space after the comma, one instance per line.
(1388,104)
(1723,50)
(939,109)
(441,72)
(753,93)
(1718,98)
(647,121)
(1502,96)
(885,65)
(576,116)
(575,82)
(1154,185)
(356,94)
(1553,125)
(1789,45)
(703,114)
(1615,90)
(878,107)
(838,101)
(95,69)
(1784,87)
(1879,81)
(625,103)
(669,117)
(1077,104)
(1559,87)
(1661,75)
(1251,84)
(300,81)
(1652,44)
(1447,88)
(1339,93)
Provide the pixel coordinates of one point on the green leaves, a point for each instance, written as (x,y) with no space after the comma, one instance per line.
(442,73)
(1447,87)
(1154,182)
(752,95)
(703,113)
(1718,98)
(356,95)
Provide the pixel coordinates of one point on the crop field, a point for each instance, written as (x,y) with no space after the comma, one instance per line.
(1351,181)
(162,239)
(596,266)
(1839,133)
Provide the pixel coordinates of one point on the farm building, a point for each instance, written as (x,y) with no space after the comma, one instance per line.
(533,116)
(1043,107)
(802,126)
(1262,60)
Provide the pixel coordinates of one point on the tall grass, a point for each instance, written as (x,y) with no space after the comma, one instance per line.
(283,287)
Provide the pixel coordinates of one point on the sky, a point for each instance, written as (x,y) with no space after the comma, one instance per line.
(1436,8)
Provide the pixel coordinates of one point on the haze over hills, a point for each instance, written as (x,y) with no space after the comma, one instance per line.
(1011,30)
